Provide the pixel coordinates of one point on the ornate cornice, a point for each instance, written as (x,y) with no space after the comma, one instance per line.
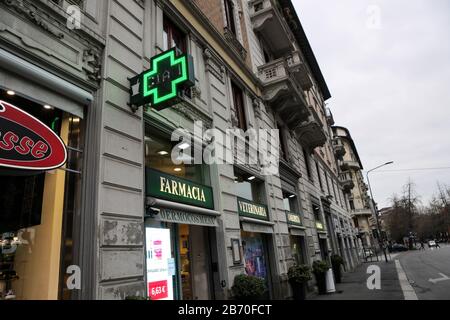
(32,14)
(214,65)
(191,112)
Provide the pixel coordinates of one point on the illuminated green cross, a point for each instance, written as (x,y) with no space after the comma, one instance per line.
(163,86)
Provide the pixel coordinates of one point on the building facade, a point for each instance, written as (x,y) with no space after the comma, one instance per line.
(359,200)
(122,215)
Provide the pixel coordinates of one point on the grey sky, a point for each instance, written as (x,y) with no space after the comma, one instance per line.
(390,83)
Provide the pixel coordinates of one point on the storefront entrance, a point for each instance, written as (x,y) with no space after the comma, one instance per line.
(298,249)
(179,262)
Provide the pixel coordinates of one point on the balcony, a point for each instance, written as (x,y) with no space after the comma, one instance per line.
(338,147)
(234,43)
(347,181)
(310,132)
(299,70)
(282,93)
(330,118)
(346,165)
(268,21)
(361,212)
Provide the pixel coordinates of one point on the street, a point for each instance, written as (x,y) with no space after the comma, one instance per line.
(428,272)
(411,275)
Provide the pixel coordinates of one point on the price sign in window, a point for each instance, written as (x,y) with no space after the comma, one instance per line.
(158,290)
(159,259)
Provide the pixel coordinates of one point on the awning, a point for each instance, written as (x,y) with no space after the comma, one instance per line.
(36,83)
(256,226)
(297,231)
(322,235)
(174,212)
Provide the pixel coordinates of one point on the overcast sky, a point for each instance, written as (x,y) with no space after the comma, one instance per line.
(387,64)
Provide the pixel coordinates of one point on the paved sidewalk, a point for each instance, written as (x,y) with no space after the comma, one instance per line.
(354,285)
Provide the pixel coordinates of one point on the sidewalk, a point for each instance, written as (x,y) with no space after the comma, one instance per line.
(354,285)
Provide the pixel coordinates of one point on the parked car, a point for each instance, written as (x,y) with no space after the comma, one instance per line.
(432,244)
(398,247)
(369,253)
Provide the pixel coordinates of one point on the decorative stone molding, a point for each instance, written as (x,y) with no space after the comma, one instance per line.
(196,92)
(31,13)
(92,65)
(257,108)
(214,65)
(191,112)
(234,42)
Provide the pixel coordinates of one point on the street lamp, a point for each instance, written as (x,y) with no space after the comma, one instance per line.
(374,206)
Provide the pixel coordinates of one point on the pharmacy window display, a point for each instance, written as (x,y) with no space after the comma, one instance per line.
(40,179)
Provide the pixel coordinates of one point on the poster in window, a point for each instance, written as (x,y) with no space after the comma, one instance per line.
(159,259)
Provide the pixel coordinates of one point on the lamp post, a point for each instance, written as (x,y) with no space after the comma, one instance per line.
(380,242)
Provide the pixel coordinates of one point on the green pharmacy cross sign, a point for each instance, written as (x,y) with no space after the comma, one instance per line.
(160,86)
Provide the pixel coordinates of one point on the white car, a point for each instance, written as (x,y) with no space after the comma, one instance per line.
(432,244)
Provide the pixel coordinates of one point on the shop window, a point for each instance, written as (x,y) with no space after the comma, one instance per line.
(238,101)
(317,216)
(229,13)
(298,249)
(173,37)
(254,246)
(38,214)
(249,187)
(290,202)
(158,156)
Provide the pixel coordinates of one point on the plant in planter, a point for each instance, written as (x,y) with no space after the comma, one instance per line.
(337,262)
(320,268)
(298,276)
(248,288)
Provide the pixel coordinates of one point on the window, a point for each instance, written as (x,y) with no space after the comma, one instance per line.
(229,12)
(307,165)
(319,176)
(173,36)
(248,187)
(328,184)
(334,191)
(238,100)
(290,202)
(282,144)
(316,212)
(158,156)
(352,205)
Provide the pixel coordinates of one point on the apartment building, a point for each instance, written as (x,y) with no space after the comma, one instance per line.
(356,187)
(127,219)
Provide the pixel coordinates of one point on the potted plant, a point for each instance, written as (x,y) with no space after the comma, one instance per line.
(337,262)
(320,269)
(298,276)
(247,287)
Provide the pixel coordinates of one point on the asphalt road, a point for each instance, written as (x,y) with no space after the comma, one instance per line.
(428,272)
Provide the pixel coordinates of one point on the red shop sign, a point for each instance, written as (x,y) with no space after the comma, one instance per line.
(26,143)
(158,290)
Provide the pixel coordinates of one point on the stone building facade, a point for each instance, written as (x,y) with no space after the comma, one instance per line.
(359,199)
(254,69)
